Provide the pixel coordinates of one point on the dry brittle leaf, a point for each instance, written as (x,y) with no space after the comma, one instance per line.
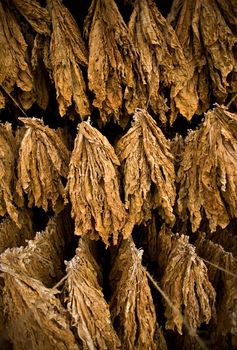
(93,186)
(148,170)
(14,68)
(13,236)
(7,174)
(162,60)
(208,44)
(222,272)
(207,177)
(132,307)
(185,282)
(113,73)
(85,301)
(42,258)
(35,319)
(36,15)
(43,162)
(67,54)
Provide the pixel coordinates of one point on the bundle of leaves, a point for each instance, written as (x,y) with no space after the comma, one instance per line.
(186,283)
(67,55)
(148,171)
(93,186)
(29,274)
(207,174)
(132,307)
(86,304)
(113,73)
(14,67)
(208,44)
(43,162)
(162,61)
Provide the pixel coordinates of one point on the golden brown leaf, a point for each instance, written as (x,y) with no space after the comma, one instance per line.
(225,282)
(113,72)
(43,162)
(162,60)
(11,235)
(148,171)
(132,307)
(85,301)
(35,319)
(208,45)
(36,15)
(14,69)
(207,175)
(42,257)
(7,174)
(67,54)
(186,283)
(93,186)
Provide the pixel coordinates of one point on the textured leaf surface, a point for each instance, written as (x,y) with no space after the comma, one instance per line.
(207,174)
(132,307)
(186,283)
(163,62)
(67,54)
(43,162)
(14,68)
(93,186)
(148,170)
(85,302)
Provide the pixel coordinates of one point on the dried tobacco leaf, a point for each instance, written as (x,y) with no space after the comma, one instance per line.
(113,73)
(208,43)
(93,186)
(162,61)
(42,258)
(207,175)
(185,282)
(148,170)
(36,15)
(35,319)
(225,282)
(85,301)
(43,162)
(13,236)
(7,174)
(14,68)
(132,307)
(67,54)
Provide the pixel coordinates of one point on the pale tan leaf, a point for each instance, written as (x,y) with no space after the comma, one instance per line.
(35,318)
(132,307)
(148,170)
(43,162)
(85,301)
(93,186)
(208,44)
(185,282)
(163,62)
(14,68)
(67,54)
(113,73)
(206,177)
